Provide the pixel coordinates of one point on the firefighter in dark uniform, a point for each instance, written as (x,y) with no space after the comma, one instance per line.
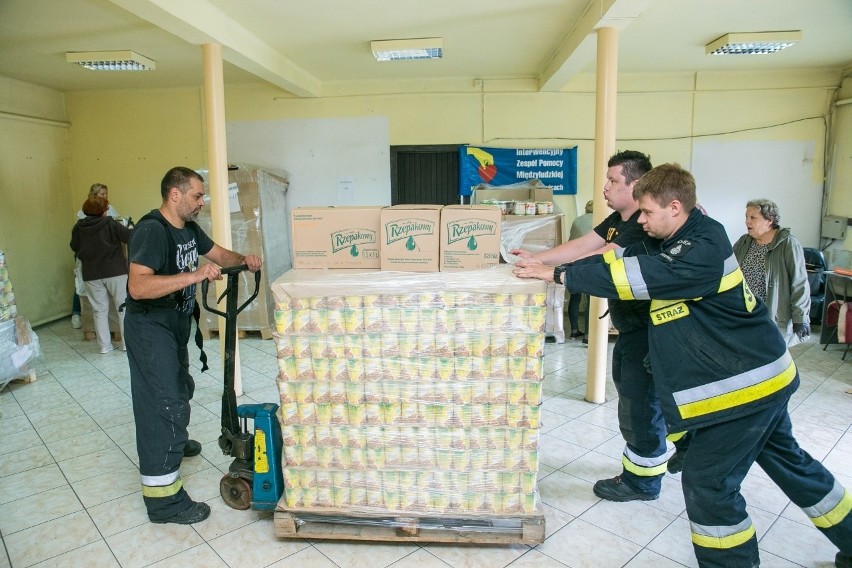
(639,417)
(721,369)
(163,272)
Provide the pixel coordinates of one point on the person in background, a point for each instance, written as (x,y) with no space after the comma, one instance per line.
(102,191)
(773,264)
(639,417)
(721,368)
(580,226)
(164,271)
(97,241)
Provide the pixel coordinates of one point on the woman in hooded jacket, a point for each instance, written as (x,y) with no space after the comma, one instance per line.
(97,240)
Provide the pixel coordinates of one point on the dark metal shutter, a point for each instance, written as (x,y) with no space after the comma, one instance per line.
(424,174)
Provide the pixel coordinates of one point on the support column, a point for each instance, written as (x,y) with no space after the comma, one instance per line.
(606,92)
(217,175)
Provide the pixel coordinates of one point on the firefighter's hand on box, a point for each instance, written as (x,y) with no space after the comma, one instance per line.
(802,330)
(533,270)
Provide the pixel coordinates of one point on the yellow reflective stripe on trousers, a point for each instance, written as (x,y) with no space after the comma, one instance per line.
(737,390)
(165,491)
(832,509)
(722,537)
(645,467)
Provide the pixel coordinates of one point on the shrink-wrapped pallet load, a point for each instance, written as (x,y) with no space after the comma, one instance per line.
(260,226)
(19,345)
(405,393)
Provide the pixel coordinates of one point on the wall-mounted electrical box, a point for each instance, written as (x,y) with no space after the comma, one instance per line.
(833,227)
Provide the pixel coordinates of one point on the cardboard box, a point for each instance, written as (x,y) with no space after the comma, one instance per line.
(514,194)
(533,233)
(410,238)
(470,237)
(336,237)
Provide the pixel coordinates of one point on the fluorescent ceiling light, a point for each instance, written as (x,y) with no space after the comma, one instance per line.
(408,49)
(110,60)
(756,43)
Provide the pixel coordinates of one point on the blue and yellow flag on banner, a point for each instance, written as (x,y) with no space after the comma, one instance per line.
(554,167)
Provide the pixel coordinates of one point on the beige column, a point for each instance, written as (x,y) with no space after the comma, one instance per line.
(605,99)
(217,176)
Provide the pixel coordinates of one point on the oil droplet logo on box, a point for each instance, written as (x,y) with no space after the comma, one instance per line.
(350,239)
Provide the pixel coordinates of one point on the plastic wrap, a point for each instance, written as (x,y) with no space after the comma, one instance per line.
(19,348)
(19,345)
(410,393)
(260,226)
(520,233)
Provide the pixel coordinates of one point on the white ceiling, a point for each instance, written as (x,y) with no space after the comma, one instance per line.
(305,46)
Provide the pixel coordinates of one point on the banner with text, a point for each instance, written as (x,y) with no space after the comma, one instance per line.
(554,167)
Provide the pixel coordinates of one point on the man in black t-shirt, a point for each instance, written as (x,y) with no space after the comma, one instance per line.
(639,416)
(163,273)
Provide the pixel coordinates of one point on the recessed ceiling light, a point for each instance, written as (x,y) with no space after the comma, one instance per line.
(756,43)
(110,60)
(408,49)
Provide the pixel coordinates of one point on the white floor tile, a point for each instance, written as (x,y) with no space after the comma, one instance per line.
(51,539)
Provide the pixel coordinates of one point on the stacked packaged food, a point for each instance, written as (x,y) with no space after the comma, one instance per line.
(19,346)
(404,392)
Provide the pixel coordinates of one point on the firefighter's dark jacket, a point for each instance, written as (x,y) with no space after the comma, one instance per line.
(715,353)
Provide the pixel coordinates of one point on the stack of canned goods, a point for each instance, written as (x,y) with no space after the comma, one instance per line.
(522,207)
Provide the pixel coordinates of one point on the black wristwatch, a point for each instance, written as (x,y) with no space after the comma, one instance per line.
(557,274)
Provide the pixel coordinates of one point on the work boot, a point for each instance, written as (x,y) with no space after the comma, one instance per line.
(843,560)
(675,463)
(616,490)
(192,448)
(195,513)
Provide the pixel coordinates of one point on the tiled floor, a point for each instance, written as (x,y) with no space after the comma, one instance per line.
(70,493)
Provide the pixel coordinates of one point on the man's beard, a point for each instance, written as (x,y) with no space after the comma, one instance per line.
(189,215)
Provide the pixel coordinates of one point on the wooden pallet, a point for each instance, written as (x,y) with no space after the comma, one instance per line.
(91,336)
(264,333)
(522,529)
(26,377)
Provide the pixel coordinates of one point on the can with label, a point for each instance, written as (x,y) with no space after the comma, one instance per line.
(321,368)
(353,320)
(283,319)
(335,322)
(339,370)
(391,319)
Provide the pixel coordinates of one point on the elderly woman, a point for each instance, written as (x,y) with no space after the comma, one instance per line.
(97,239)
(773,264)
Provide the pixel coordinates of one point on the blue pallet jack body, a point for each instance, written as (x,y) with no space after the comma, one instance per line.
(255,478)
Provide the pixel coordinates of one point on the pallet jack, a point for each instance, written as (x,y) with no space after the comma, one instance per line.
(255,477)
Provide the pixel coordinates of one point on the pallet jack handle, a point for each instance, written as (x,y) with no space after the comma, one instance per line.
(230,421)
(229,271)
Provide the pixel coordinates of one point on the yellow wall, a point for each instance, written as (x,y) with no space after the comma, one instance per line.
(128,139)
(35,199)
(656,114)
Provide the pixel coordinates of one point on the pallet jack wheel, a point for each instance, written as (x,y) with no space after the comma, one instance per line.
(235,491)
